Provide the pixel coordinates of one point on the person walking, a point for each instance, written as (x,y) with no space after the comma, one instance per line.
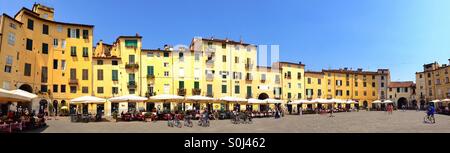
(331,111)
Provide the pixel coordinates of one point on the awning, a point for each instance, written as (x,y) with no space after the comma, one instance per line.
(87,100)
(25,94)
(127,98)
(10,96)
(256,101)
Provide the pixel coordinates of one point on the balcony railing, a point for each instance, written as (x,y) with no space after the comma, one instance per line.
(196,91)
(132,84)
(150,76)
(182,92)
(73,81)
(149,94)
(132,66)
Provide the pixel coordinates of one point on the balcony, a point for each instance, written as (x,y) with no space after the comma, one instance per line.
(196,91)
(132,66)
(73,81)
(209,77)
(150,76)
(248,66)
(149,94)
(132,84)
(263,80)
(181,92)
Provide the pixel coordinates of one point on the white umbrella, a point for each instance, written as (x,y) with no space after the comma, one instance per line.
(166,97)
(25,94)
(127,98)
(200,98)
(233,99)
(350,101)
(312,101)
(88,99)
(303,101)
(256,101)
(388,101)
(436,101)
(446,100)
(274,101)
(376,102)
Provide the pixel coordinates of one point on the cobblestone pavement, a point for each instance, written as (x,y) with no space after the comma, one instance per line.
(360,122)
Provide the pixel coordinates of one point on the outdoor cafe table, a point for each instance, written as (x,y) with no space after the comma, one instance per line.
(6,127)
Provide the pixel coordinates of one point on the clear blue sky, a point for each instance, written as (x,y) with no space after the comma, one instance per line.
(401,35)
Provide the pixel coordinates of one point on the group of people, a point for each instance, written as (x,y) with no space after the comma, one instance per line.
(25,117)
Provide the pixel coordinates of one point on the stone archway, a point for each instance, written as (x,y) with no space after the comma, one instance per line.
(402,102)
(26,87)
(263,96)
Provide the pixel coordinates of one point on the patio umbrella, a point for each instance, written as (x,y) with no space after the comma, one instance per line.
(127,98)
(200,98)
(87,100)
(351,101)
(296,102)
(7,96)
(377,102)
(233,99)
(436,101)
(21,93)
(256,101)
(274,101)
(387,101)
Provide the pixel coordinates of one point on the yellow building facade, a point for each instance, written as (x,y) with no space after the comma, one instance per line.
(433,82)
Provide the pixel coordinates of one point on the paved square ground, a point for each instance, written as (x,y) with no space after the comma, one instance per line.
(361,122)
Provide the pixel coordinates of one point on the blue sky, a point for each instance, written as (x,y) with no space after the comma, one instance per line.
(401,35)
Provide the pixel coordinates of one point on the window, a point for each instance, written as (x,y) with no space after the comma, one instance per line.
(181,84)
(85,74)
(55,43)
(329,82)
(45,29)
(99,74)
(166,64)
(150,71)
(73,74)
(224,46)
(85,34)
(365,93)
(196,85)
(131,43)
(319,81)
(224,88)
(63,44)
(11,39)
(249,91)
(263,77)
(115,90)
(209,90)
(166,54)
(9,60)
(115,75)
(237,89)
(236,59)
(289,95)
(73,51)
(309,80)
(309,92)
(299,85)
(347,83)
(356,84)
(373,93)
(181,56)
(63,65)
(100,90)
(63,88)
(73,89)
(289,85)
(131,59)
(55,88)
(12,25)
(348,92)
(29,44)
(59,28)
(299,95)
(338,92)
(319,92)
(44,88)
(373,84)
(390,89)
(85,52)
(100,62)
(84,90)
(30,24)
(114,62)
(44,48)
(382,84)
(299,75)
(166,73)
(224,58)
(27,71)
(364,84)
(55,64)
(197,56)
(356,93)
(73,33)
(382,77)
(8,68)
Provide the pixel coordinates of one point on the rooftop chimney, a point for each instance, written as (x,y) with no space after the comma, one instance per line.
(300,63)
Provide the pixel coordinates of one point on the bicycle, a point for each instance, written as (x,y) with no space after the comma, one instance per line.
(170,121)
(188,121)
(429,119)
(176,121)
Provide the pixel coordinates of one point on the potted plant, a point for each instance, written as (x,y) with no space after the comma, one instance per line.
(148,116)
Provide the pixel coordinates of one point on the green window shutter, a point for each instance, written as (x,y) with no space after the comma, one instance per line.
(115,75)
(224,88)
(68,32)
(78,33)
(249,91)
(197,85)
(149,70)
(237,89)
(130,43)
(181,84)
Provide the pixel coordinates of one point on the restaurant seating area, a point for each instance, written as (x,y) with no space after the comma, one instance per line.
(18,121)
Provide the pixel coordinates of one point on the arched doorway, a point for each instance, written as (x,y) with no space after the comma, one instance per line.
(365,104)
(42,106)
(26,87)
(263,96)
(402,102)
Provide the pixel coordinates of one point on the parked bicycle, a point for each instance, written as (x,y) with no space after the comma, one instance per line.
(204,120)
(188,120)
